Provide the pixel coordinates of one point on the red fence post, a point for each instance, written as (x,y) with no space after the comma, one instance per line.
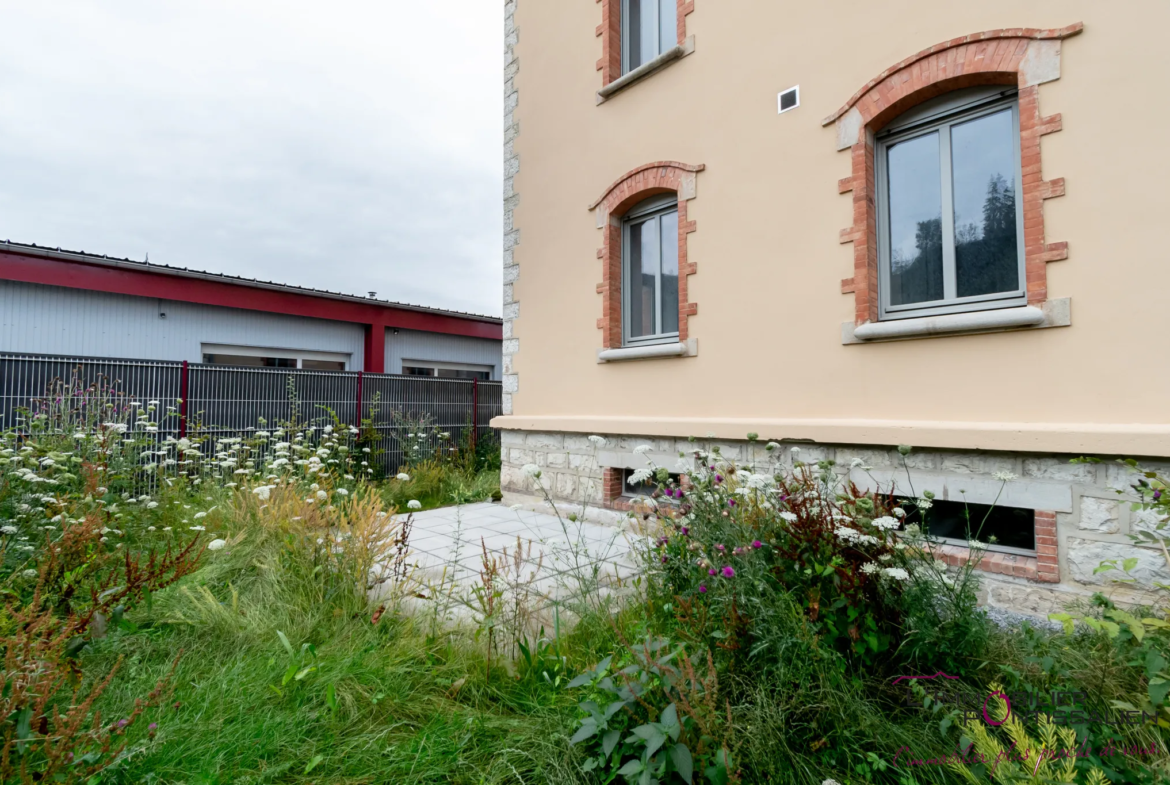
(358,414)
(183,392)
(474,415)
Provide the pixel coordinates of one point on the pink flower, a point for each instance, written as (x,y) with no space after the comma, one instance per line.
(757,544)
(720,548)
(728,572)
(711,571)
(702,588)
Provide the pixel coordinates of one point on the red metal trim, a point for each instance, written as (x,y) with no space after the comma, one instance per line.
(183,379)
(140,283)
(374,348)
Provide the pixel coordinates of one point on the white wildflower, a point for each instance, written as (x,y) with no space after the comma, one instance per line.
(869,568)
(322,496)
(640,476)
(30,573)
(216,544)
(643,449)
(886,523)
(598,441)
(516,507)
(199,515)
(788,516)
(897,573)
(151,528)
(1004,476)
(770,446)
(342,492)
(898,512)
(923,504)
(531,469)
(151,505)
(414,504)
(403,476)
(8,530)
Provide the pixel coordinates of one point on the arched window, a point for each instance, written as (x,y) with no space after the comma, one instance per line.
(650,271)
(950,223)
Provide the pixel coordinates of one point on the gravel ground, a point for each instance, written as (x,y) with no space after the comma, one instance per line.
(1007,619)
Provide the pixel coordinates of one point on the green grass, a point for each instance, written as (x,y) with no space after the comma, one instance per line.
(441,485)
(391,702)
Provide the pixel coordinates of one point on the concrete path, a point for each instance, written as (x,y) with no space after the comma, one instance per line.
(538,553)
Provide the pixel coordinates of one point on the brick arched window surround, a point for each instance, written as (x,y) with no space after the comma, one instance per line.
(627,191)
(1022,57)
(610,31)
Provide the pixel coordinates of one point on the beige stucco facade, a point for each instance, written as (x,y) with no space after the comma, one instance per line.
(767,352)
(769,263)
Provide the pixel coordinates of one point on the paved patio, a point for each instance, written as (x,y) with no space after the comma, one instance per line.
(447,550)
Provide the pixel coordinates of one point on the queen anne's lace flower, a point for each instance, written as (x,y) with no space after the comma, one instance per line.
(897,573)
(642,449)
(531,469)
(216,545)
(788,516)
(1004,476)
(640,476)
(414,504)
(869,568)
(403,476)
(598,441)
(886,523)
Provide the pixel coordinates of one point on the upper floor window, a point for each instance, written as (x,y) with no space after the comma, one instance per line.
(950,220)
(649,28)
(650,271)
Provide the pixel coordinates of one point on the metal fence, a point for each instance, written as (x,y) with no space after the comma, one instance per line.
(217,401)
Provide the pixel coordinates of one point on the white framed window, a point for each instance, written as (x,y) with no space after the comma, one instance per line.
(260,357)
(650,272)
(950,216)
(445,370)
(649,29)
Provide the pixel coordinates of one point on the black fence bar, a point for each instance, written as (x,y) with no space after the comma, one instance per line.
(401,413)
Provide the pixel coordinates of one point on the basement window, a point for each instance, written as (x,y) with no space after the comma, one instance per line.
(630,488)
(1004,529)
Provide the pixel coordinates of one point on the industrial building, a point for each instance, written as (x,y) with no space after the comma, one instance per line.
(56,302)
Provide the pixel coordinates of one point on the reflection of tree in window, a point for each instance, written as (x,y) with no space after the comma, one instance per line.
(920,278)
(986,259)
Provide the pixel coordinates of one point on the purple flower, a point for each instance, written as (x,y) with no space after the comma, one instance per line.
(664,558)
(123,723)
(731,502)
(728,572)
(702,588)
(712,468)
(152,727)
(684,531)
(1157,495)
(718,478)
(757,544)
(720,548)
(711,571)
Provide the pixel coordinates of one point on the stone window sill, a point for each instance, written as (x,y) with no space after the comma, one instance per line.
(1054,313)
(646,69)
(654,351)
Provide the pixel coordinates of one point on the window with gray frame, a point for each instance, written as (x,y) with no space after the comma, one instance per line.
(649,28)
(650,272)
(950,216)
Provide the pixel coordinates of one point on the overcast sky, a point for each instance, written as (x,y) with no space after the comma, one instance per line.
(353,145)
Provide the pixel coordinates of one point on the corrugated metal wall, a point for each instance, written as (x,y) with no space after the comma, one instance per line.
(38,319)
(415,345)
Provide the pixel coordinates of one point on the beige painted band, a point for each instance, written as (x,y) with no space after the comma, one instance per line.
(1128,439)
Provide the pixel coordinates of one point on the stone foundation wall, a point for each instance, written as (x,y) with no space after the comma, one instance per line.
(1093,520)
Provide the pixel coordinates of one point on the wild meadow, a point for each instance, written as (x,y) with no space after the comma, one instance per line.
(247,610)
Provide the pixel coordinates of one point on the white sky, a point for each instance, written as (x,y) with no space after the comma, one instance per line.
(352,145)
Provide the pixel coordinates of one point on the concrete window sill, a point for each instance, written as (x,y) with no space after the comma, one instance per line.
(654,351)
(646,69)
(1054,313)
